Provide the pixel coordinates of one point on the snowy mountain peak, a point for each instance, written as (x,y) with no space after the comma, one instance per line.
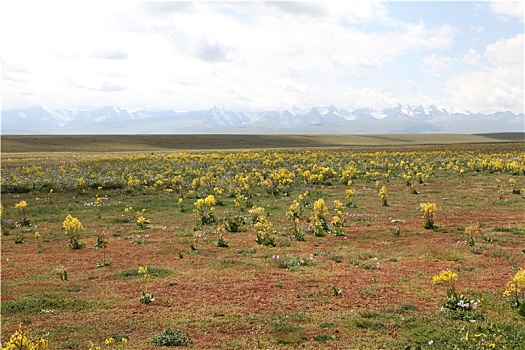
(218,110)
(330,119)
(405,110)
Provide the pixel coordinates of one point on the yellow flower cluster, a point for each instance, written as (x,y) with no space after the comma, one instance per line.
(98,201)
(71,224)
(21,205)
(80,182)
(210,201)
(383,194)
(320,209)
(516,285)
(472,230)
(199,204)
(428,209)
(446,276)
(108,342)
(263,225)
(294,209)
(256,212)
(273,171)
(143,271)
(20,340)
(348,174)
(142,221)
(349,193)
(278,180)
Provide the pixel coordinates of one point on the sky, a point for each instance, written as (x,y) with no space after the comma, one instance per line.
(257,56)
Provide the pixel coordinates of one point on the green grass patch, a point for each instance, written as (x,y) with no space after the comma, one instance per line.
(372,325)
(327,325)
(226,264)
(323,338)
(152,271)
(513,230)
(47,304)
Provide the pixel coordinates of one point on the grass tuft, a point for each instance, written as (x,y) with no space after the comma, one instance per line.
(152,271)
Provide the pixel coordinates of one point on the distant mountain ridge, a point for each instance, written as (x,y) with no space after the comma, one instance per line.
(401,119)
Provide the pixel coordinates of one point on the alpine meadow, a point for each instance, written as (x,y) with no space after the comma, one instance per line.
(347,242)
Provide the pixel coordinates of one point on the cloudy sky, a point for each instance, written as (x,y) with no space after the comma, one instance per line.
(255,56)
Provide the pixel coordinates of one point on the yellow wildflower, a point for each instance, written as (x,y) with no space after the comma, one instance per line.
(320,208)
(516,285)
(472,230)
(71,224)
(349,193)
(428,209)
(445,276)
(210,201)
(21,205)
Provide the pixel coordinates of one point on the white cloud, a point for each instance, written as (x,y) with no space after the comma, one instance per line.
(506,51)
(419,36)
(192,55)
(351,11)
(494,87)
(411,84)
(476,28)
(471,57)
(508,8)
(436,64)
(186,55)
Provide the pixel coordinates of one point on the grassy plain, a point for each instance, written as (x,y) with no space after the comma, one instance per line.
(130,143)
(369,287)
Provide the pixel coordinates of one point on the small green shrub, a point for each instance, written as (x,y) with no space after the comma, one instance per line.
(221,242)
(235,224)
(152,271)
(265,239)
(245,251)
(291,261)
(28,305)
(171,337)
(323,338)
(337,292)
(327,325)
(337,258)
(514,230)
(146,298)
(373,325)
(74,243)
(460,307)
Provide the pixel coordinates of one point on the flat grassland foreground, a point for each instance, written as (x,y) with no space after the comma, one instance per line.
(326,246)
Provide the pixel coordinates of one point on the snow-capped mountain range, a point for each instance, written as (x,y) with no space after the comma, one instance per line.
(402,119)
